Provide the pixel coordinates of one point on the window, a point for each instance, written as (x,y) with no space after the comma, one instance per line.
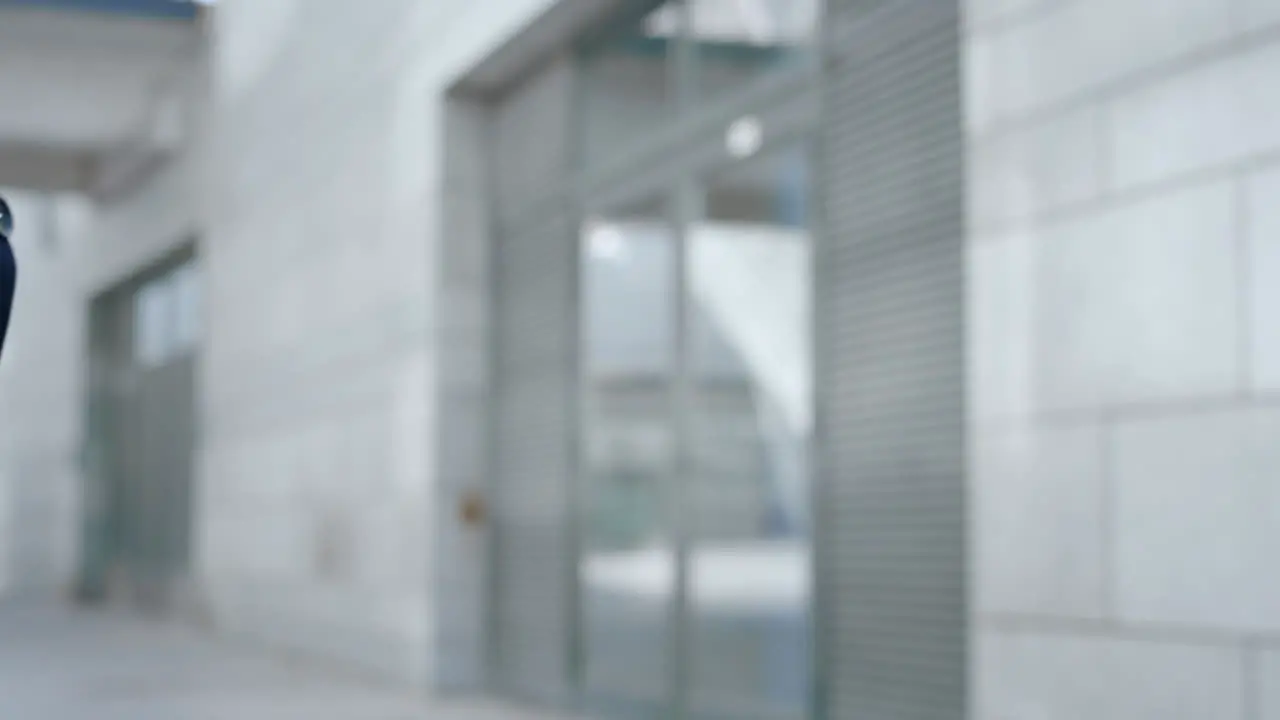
(151,324)
(188,307)
(167,316)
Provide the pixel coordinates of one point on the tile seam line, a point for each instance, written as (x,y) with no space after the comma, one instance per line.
(1009,20)
(1132,412)
(1015,624)
(1236,45)
(1112,200)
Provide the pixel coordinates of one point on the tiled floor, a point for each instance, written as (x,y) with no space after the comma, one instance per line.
(58,664)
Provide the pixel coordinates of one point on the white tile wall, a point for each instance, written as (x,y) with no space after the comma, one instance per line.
(329,136)
(1149,303)
(1039,521)
(986,11)
(1268,676)
(1133,305)
(1139,304)
(1197,520)
(1022,174)
(1217,113)
(1001,311)
(249,36)
(1061,677)
(1258,15)
(1263,282)
(311,337)
(259,540)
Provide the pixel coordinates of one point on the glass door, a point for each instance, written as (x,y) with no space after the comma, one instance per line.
(694,595)
(697,421)
(628,552)
(748,286)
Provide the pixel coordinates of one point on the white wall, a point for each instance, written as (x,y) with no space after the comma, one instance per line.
(1125,358)
(40,401)
(325,194)
(314,182)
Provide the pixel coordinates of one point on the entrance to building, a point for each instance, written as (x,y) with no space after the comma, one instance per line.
(654,287)
(652,372)
(694,568)
(144,338)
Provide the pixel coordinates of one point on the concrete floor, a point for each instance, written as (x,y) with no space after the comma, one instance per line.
(58,664)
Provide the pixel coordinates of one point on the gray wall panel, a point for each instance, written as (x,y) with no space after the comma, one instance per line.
(890,292)
(532,457)
(534,348)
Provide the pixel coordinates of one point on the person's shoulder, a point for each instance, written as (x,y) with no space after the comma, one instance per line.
(8,261)
(6,220)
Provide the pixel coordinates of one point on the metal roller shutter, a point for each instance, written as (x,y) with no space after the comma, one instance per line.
(891,497)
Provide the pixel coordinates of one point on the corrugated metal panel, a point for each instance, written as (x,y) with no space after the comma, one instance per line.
(890,294)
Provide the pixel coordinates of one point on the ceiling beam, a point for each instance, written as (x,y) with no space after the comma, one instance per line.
(44,169)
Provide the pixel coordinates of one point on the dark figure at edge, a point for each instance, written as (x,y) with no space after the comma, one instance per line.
(8,270)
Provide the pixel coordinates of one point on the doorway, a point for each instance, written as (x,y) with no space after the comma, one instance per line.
(650,368)
(141,435)
(652,543)
(696,365)
(694,569)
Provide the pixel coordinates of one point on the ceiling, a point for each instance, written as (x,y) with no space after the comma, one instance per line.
(79,83)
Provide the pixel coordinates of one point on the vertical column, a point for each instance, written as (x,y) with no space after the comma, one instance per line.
(533,365)
(890,280)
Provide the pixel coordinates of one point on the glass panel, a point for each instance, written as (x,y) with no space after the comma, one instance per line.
(627,80)
(627,569)
(188,306)
(152,338)
(738,41)
(749,295)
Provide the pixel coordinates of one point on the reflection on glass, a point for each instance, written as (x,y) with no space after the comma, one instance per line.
(188,306)
(627,79)
(152,341)
(166,316)
(627,571)
(738,41)
(749,289)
